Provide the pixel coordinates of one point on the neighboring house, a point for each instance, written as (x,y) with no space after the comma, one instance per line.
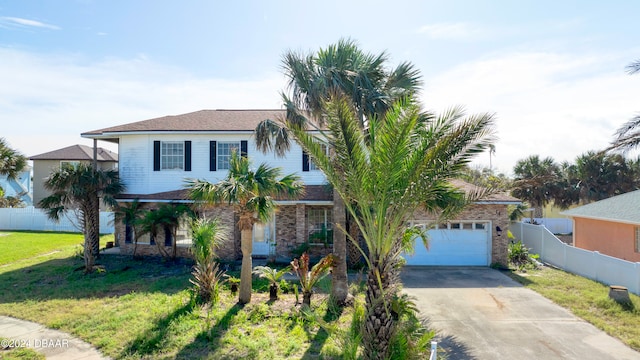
(44,164)
(610,226)
(157,155)
(19,187)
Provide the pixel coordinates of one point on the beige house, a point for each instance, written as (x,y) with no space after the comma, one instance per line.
(44,164)
(157,155)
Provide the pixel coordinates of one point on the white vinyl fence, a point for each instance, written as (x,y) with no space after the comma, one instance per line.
(30,218)
(555,225)
(590,264)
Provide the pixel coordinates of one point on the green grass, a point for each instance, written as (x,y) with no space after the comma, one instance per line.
(17,246)
(143,310)
(587,299)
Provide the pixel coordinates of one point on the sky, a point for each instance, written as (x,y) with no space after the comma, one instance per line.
(552,72)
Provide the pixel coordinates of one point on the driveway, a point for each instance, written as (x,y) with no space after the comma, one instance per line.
(480,313)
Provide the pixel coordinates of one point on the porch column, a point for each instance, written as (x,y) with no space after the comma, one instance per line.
(301,224)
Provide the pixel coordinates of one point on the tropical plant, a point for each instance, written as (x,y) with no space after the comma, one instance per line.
(131,214)
(251,194)
(207,237)
(12,162)
(167,218)
(516,212)
(536,181)
(309,277)
(273,276)
(404,161)
(519,255)
(81,188)
(371,87)
(627,136)
(233,283)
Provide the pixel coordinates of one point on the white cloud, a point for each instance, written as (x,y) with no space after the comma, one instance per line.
(548,104)
(49,100)
(20,22)
(448,31)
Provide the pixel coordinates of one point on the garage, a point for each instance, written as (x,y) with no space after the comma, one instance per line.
(460,243)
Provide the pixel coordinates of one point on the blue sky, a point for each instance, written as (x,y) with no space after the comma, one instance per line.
(552,72)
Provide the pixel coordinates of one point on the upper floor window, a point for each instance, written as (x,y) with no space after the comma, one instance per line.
(220,153)
(171,155)
(308,164)
(225,149)
(73,164)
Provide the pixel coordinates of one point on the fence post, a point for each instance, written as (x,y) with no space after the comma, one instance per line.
(596,263)
(637,278)
(434,350)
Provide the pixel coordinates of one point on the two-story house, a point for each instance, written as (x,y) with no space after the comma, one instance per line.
(45,163)
(157,155)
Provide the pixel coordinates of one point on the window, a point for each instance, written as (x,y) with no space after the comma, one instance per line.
(225,149)
(171,155)
(73,164)
(320,226)
(307,163)
(637,247)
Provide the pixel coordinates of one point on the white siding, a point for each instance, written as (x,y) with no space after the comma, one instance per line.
(136,162)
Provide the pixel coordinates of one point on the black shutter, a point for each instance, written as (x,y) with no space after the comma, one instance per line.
(156,155)
(243,148)
(128,234)
(187,155)
(167,236)
(212,156)
(305,161)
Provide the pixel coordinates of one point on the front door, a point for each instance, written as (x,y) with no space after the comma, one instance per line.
(263,237)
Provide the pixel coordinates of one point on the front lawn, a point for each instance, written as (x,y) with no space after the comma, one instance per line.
(143,309)
(587,299)
(23,245)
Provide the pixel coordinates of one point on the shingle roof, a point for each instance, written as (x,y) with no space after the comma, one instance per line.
(621,208)
(203,120)
(312,193)
(470,189)
(77,152)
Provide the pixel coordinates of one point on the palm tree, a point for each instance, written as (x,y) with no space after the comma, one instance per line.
(82,188)
(208,236)
(169,217)
(371,88)
(492,151)
(11,161)
(403,162)
(628,135)
(131,214)
(252,194)
(536,181)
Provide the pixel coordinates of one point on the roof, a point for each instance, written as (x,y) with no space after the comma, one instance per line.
(312,193)
(490,198)
(77,152)
(621,208)
(203,120)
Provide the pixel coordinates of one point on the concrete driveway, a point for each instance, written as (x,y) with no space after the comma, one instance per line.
(480,313)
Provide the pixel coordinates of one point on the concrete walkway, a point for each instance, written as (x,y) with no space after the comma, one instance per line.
(480,313)
(51,343)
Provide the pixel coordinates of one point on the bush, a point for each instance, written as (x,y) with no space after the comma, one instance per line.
(519,256)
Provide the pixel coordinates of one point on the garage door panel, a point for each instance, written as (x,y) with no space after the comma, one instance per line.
(452,248)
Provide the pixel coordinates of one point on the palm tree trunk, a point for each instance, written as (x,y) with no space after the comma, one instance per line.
(94,224)
(339,283)
(246,246)
(379,326)
(306,298)
(89,259)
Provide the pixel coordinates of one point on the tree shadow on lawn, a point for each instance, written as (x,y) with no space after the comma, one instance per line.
(119,275)
(208,341)
(332,314)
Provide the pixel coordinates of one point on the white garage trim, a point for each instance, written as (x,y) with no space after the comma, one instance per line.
(455,243)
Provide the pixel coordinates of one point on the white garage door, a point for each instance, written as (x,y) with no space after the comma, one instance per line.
(454,244)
